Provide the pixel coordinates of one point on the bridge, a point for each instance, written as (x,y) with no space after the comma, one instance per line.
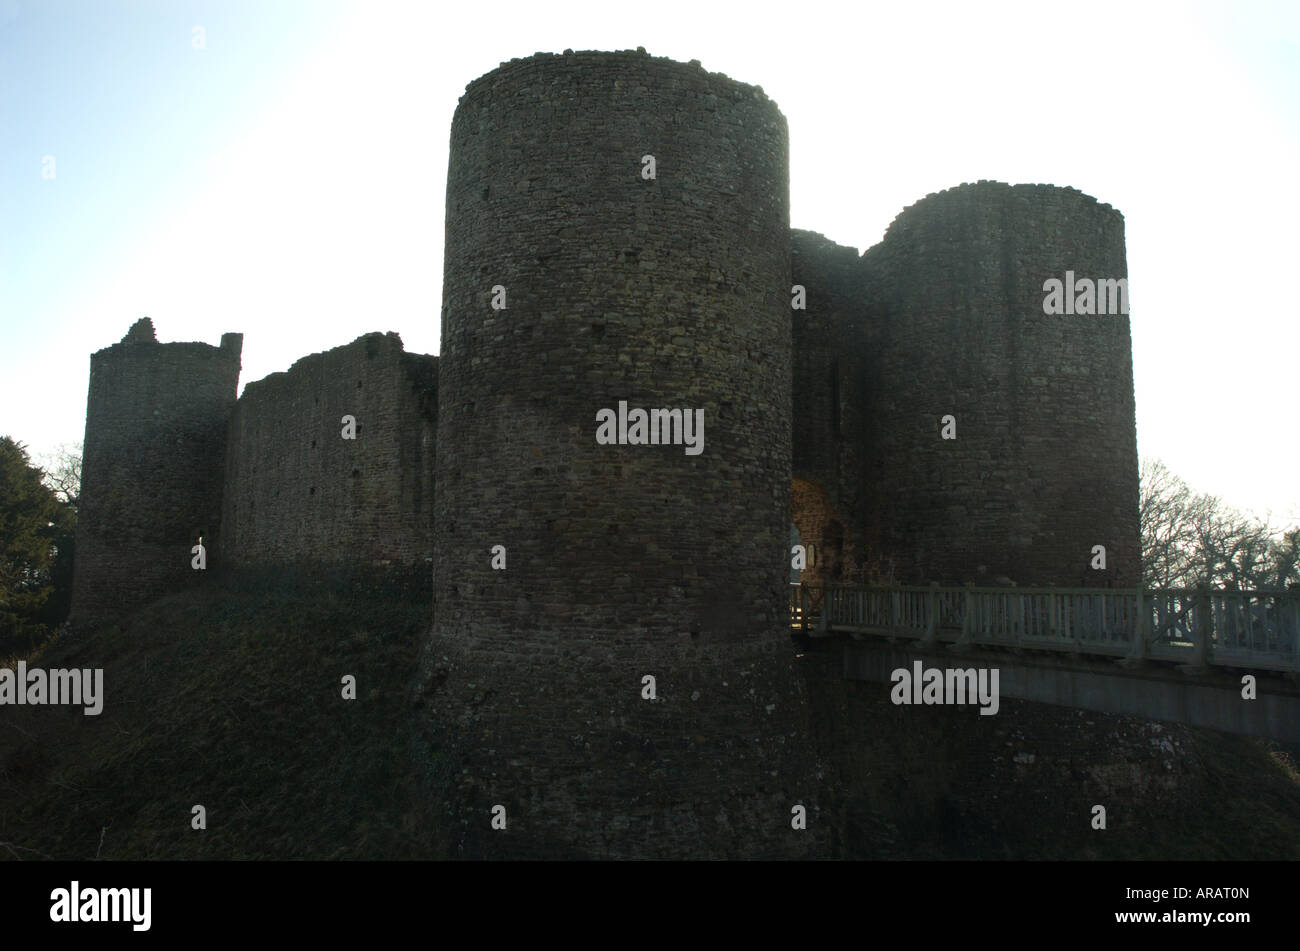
(1179,654)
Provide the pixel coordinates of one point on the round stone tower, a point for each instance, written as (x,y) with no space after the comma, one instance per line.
(1043,466)
(614,413)
(151,479)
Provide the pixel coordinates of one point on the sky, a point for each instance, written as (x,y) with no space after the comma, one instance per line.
(278,168)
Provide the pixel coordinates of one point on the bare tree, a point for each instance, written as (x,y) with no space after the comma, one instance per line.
(1284,559)
(1167,519)
(1231,548)
(1191,538)
(63,473)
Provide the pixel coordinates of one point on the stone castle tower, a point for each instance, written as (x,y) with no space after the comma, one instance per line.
(151,474)
(945,317)
(618,240)
(623,561)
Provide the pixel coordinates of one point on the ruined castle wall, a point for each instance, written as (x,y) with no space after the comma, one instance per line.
(298,491)
(1045,461)
(152,468)
(623,560)
(830,387)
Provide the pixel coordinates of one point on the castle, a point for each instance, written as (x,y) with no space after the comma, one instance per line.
(617,232)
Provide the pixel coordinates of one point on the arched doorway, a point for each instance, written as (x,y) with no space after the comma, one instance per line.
(822,533)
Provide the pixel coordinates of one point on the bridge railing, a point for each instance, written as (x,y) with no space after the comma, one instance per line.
(1197,626)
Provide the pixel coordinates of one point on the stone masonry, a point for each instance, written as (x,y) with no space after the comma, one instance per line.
(151,475)
(297,490)
(574,280)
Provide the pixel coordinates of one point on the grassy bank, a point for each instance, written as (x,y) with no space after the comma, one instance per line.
(230,697)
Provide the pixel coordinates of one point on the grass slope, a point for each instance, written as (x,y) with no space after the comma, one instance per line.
(230,697)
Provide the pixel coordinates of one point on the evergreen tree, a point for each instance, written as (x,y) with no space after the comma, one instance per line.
(31,519)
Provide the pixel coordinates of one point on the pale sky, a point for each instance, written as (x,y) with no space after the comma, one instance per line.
(287,179)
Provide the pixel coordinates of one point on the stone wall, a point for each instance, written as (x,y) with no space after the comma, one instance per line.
(587,768)
(152,468)
(1044,465)
(830,388)
(622,560)
(298,491)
